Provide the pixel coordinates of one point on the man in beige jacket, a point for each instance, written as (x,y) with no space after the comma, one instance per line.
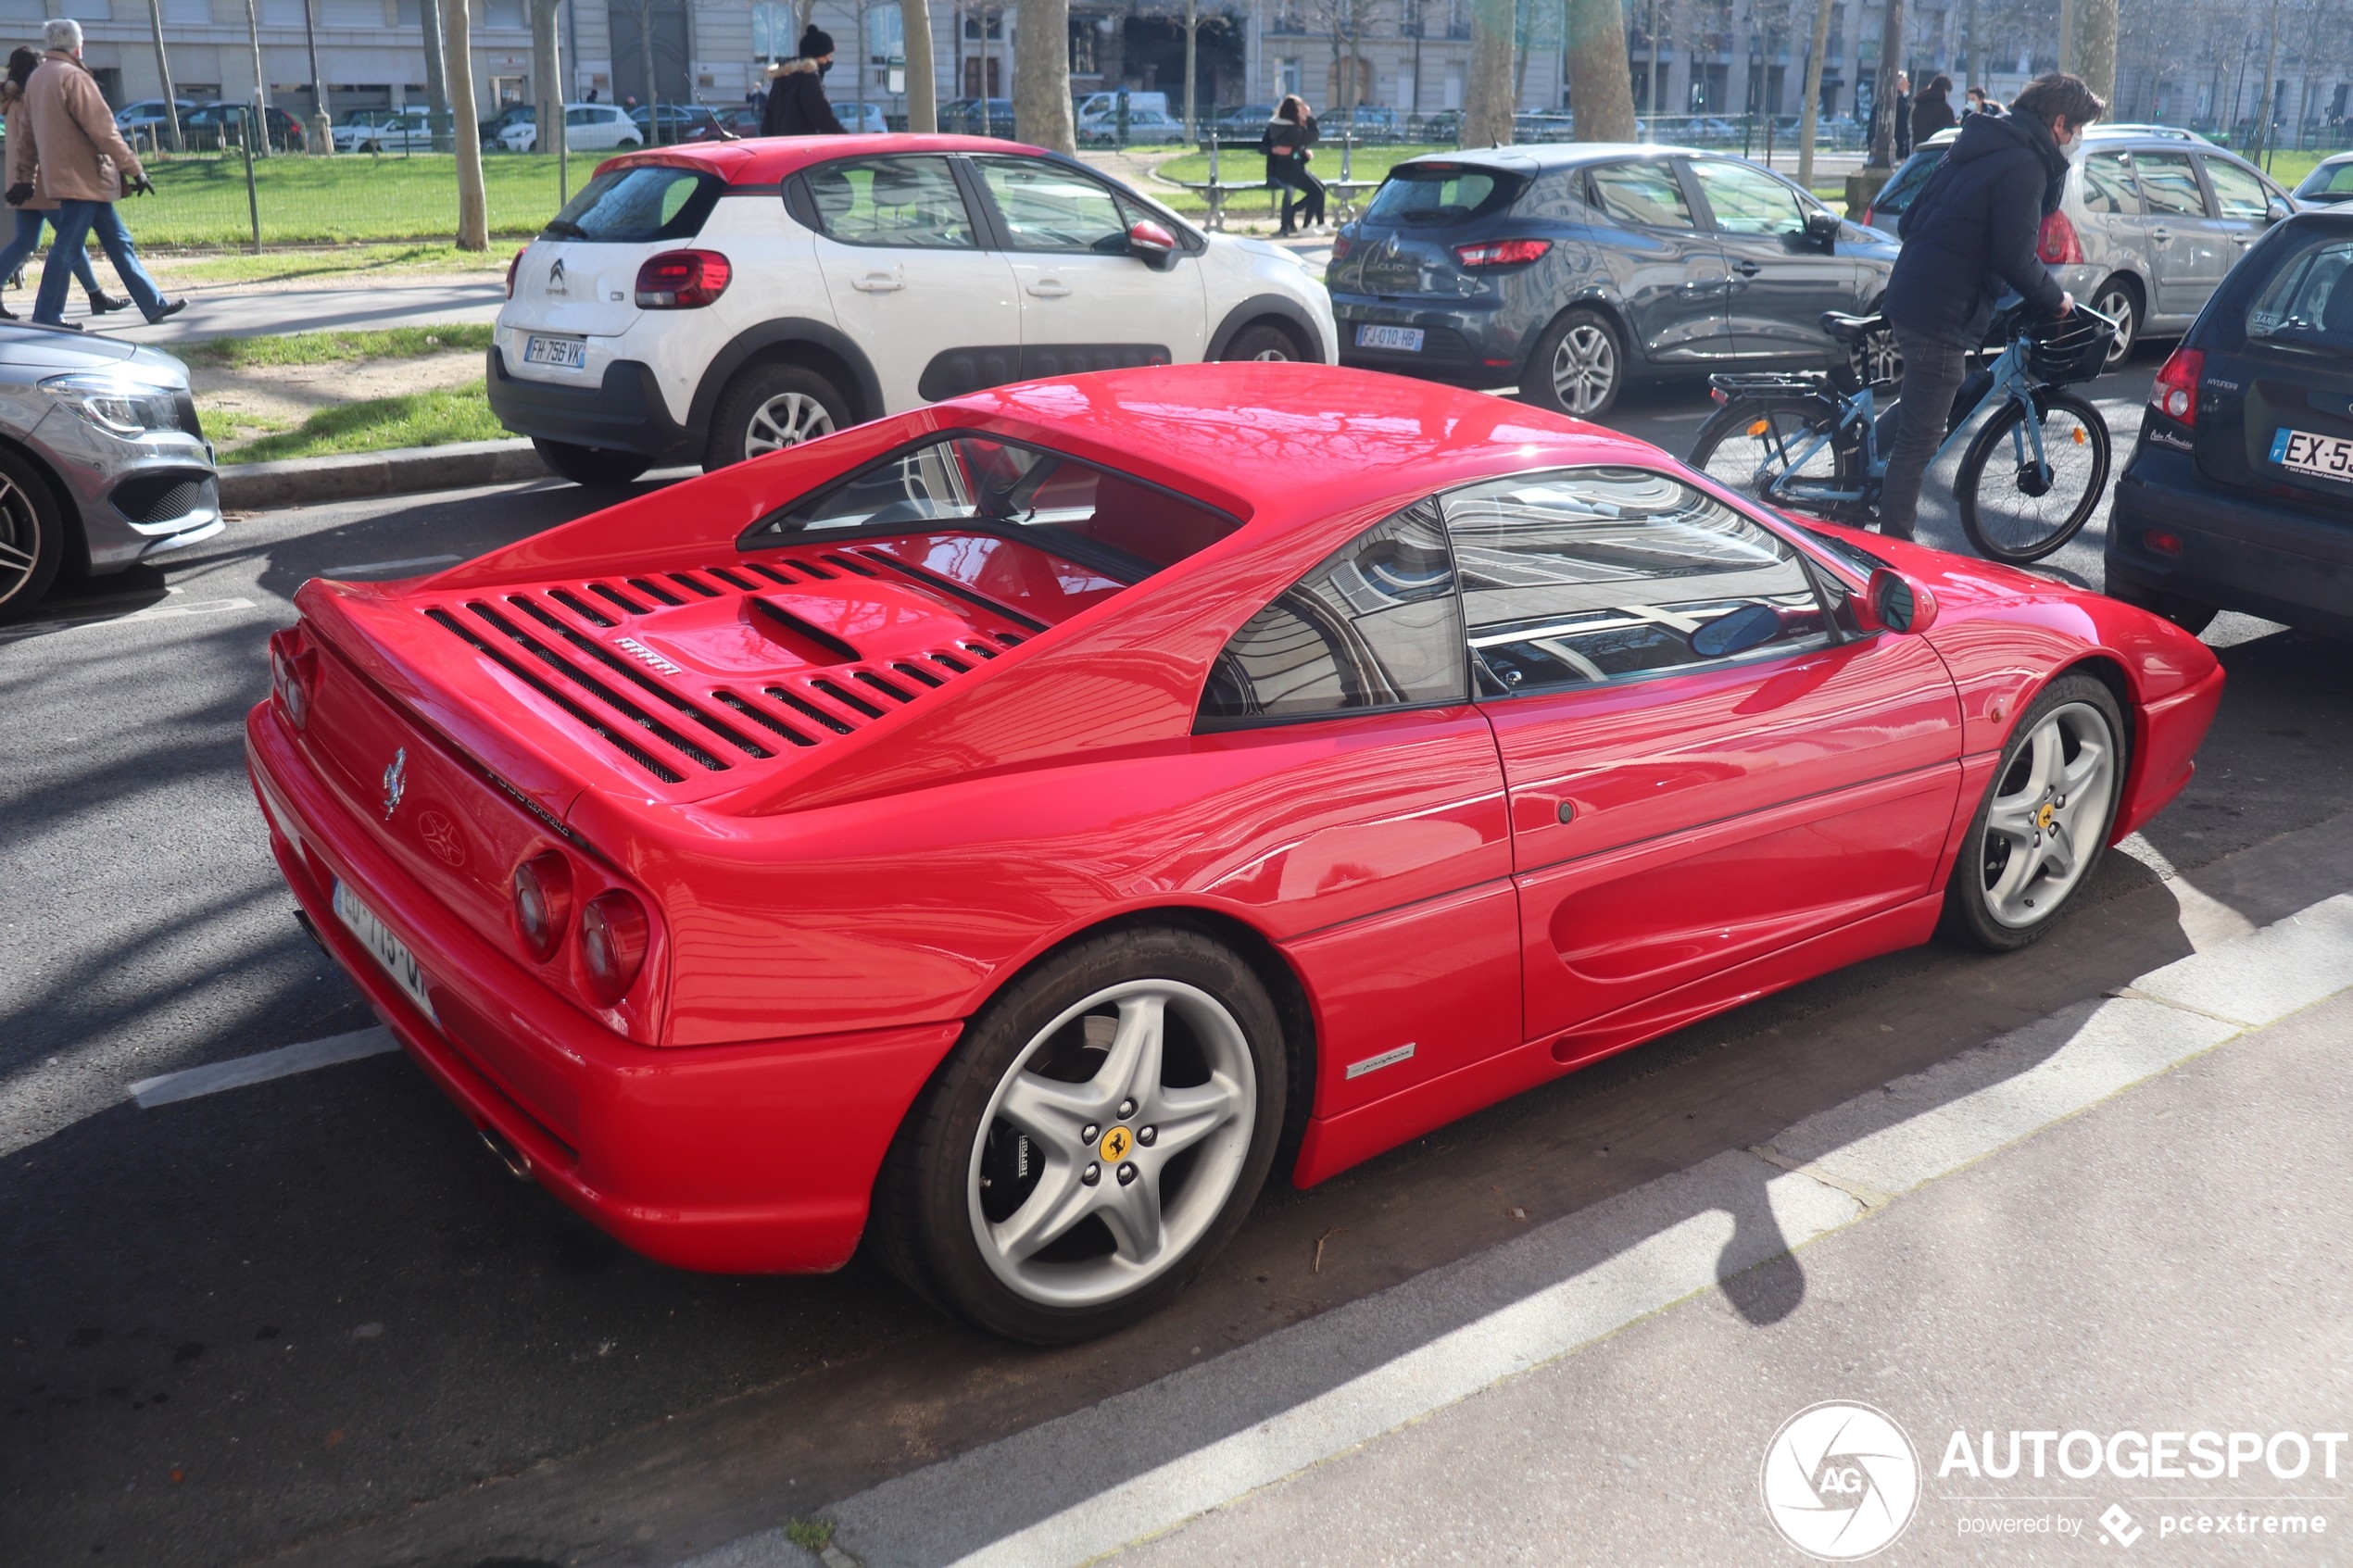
(81,160)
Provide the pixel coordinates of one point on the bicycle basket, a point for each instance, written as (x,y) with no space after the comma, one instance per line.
(2072,347)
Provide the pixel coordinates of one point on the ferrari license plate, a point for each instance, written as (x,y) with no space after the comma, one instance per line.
(2324,456)
(1408,339)
(563,353)
(388,949)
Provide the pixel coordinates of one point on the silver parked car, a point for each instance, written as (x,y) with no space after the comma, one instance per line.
(101,461)
(2151,218)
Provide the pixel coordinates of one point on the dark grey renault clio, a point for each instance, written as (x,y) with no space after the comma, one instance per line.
(1569,270)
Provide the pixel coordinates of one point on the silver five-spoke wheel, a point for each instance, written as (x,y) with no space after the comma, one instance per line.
(2044,825)
(1584,369)
(1112,1143)
(787,420)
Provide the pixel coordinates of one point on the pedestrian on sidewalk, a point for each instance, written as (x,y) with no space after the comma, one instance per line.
(797,104)
(31,212)
(79,159)
(1970,236)
(1288,142)
(1932,110)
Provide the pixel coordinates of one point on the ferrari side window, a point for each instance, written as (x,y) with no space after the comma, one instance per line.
(1377,626)
(1585,575)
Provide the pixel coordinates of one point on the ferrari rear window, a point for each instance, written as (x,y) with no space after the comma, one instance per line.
(1094,516)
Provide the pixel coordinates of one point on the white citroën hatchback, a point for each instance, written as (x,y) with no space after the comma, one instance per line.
(711,303)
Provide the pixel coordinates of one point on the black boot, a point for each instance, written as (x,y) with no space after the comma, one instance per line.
(101,302)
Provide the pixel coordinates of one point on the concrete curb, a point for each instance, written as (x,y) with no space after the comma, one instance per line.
(303,481)
(1084,1485)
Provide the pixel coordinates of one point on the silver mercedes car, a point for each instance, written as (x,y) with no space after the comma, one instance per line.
(102,460)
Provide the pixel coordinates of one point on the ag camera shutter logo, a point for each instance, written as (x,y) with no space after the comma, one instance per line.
(1840,1481)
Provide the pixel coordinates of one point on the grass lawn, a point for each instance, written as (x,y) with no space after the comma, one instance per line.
(331,348)
(421,419)
(356,263)
(200,201)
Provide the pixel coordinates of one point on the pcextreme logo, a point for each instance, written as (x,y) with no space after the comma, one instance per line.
(1840,1481)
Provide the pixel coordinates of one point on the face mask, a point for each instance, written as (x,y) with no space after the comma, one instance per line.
(823,67)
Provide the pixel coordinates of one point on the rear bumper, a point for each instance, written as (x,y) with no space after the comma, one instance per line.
(626,412)
(756,1158)
(1458,344)
(2282,561)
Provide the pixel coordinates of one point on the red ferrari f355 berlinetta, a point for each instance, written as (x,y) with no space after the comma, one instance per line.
(1002,831)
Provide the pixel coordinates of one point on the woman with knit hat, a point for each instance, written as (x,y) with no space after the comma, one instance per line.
(797,104)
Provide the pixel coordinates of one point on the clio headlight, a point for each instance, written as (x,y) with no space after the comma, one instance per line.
(118,406)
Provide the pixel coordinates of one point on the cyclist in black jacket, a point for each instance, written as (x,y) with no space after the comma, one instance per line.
(1968,236)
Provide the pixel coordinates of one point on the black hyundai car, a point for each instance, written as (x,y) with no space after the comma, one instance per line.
(1569,270)
(2239,495)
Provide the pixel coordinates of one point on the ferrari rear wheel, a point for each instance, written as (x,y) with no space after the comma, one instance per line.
(2046,818)
(1099,1134)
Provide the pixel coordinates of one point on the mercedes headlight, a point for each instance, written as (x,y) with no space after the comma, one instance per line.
(115,405)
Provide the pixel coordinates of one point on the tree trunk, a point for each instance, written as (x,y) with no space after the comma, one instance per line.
(457,70)
(163,69)
(547,91)
(2093,36)
(923,86)
(436,82)
(1890,61)
(1810,114)
(1486,112)
(1041,75)
(1600,78)
(1192,64)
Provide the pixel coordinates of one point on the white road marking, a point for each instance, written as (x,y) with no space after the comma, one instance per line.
(1304,1394)
(417,563)
(173,1087)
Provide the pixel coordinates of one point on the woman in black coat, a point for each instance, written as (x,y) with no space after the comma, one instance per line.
(1932,110)
(1286,142)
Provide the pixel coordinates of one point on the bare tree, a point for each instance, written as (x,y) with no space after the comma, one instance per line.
(2087,28)
(260,135)
(1600,78)
(457,66)
(1041,75)
(546,77)
(923,90)
(1809,114)
(1890,62)
(1346,23)
(163,69)
(1487,97)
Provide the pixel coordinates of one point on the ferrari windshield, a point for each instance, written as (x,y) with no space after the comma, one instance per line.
(1104,518)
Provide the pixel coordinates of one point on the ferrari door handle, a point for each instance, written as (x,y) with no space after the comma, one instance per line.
(1050,288)
(1748,269)
(878,283)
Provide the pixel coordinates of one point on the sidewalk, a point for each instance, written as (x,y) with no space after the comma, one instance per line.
(2125,1221)
(263,313)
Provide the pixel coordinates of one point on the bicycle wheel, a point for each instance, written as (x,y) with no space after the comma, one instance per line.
(2014,509)
(1784,451)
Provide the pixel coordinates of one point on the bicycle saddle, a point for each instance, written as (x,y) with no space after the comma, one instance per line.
(1851,329)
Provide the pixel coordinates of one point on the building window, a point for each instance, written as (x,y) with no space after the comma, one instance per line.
(1289,78)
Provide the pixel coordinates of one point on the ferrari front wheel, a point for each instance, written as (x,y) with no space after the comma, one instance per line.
(1098,1135)
(2046,818)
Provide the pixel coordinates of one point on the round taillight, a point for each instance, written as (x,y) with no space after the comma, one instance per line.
(612,945)
(543,902)
(2177,401)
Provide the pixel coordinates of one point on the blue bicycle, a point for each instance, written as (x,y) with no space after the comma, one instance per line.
(2030,477)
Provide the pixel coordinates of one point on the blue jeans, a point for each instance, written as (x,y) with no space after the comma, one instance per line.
(75,220)
(28,240)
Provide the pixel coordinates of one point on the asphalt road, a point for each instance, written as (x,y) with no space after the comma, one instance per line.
(312,1321)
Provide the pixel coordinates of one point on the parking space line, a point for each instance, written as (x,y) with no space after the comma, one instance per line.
(1146,1461)
(415,563)
(170,1088)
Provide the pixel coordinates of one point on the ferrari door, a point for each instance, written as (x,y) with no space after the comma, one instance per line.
(1703,761)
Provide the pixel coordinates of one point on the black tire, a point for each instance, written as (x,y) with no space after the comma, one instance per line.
(1730,449)
(1264,340)
(1578,366)
(1969,912)
(2004,519)
(31,537)
(924,1227)
(2190,615)
(770,406)
(592,466)
(2119,297)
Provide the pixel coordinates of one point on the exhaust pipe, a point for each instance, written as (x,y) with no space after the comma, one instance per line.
(509,1155)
